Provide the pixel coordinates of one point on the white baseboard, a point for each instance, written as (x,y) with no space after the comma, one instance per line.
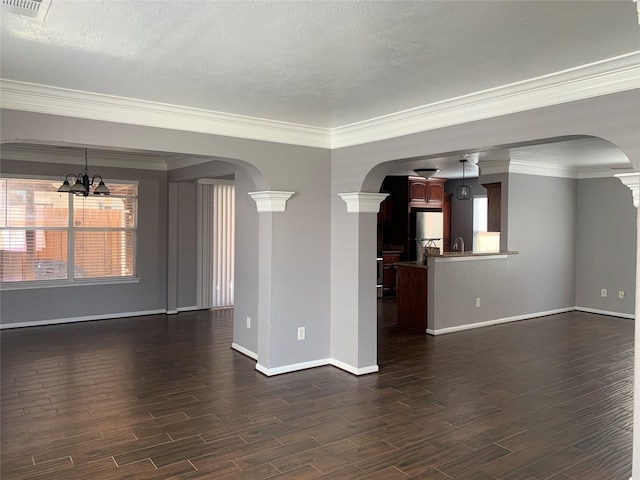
(189,309)
(244,351)
(88,318)
(469,326)
(604,312)
(171,312)
(315,363)
(356,371)
(294,367)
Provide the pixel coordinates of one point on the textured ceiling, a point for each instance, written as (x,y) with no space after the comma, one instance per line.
(320,63)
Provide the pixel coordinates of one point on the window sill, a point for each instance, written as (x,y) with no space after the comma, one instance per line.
(65,283)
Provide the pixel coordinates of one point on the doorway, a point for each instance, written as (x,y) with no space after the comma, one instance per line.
(216,243)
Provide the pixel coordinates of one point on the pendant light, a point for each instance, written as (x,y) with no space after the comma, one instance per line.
(463,192)
(82,182)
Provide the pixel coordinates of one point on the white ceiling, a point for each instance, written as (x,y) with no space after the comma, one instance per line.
(319,63)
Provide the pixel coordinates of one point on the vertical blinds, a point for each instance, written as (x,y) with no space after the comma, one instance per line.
(46,235)
(223,234)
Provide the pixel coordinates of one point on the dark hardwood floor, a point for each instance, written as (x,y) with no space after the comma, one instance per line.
(166,397)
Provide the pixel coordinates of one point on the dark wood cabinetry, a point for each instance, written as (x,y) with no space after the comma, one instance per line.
(435,191)
(412,297)
(408,195)
(446,227)
(494,204)
(389,270)
(425,192)
(417,190)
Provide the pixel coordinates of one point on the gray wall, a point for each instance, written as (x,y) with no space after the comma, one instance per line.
(462,210)
(541,226)
(605,245)
(298,277)
(281,267)
(246,265)
(298,289)
(363,167)
(64,303)
(187,245)
(300,285)
(539,279)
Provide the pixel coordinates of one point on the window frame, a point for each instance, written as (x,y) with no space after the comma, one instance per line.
(71,230)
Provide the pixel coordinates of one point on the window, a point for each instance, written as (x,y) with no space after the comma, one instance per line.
(51,236)
(483,241)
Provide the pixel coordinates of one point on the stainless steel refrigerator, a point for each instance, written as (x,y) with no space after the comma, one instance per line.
(429,225)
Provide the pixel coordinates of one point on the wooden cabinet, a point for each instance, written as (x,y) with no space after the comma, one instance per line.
(417,190)
(446,227)
(407,195)
(411,306)
(393,217)
(426,192)
(435,191)
(494,205)
(385,214)
(389,269)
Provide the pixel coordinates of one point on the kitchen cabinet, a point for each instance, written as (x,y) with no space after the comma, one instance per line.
(446,226)
(417,190)
(407,195)
(494,204)
(435,191)
(426,192)
(385,214)
(389,269)
(411,305)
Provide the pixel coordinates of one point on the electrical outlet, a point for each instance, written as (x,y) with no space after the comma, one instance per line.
(248,322)
(603,292)
(477,302)
(301,333)
(621,294)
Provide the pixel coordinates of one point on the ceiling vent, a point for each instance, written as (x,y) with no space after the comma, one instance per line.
(29,8)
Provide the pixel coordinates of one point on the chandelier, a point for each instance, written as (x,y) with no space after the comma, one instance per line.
(82,182)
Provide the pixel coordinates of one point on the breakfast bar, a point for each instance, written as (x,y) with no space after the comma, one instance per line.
(417,295)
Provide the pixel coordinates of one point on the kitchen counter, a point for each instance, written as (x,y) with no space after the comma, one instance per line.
(417,285)
(457,256)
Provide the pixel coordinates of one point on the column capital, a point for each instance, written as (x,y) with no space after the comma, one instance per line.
(363,202)
(631,180)
(271,200)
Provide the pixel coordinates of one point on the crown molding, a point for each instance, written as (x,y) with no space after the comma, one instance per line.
(490,167)
(187,161)
(608,76)
(35,98)
(75,156)
(607,171)
(604,77)
(542,169)
(632,181)
(215,181)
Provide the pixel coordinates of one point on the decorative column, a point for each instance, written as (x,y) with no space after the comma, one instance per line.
(353,299)
(267,202)
(632,180)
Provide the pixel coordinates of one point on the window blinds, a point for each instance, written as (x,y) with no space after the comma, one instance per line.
(46,235)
